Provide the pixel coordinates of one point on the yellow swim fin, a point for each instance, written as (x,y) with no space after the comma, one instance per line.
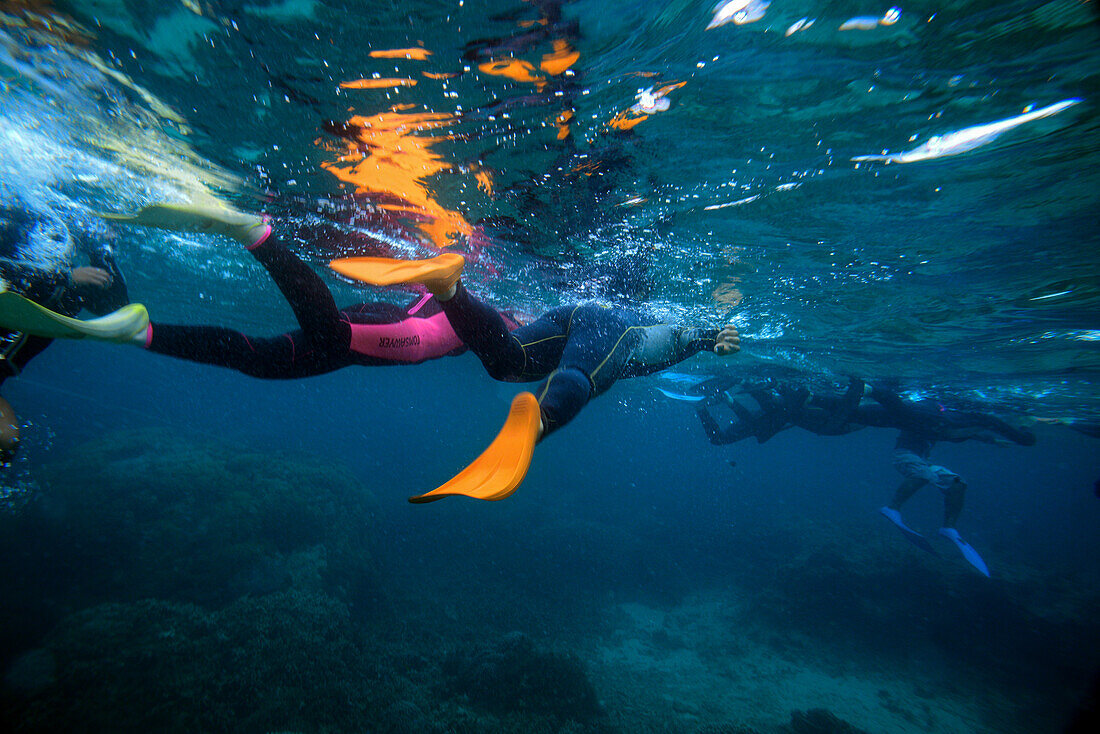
(497,473)
(21,314)
(245,228)
(437,274)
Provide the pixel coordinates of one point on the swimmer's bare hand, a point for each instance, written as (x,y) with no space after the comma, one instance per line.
(96,277)
(727,342)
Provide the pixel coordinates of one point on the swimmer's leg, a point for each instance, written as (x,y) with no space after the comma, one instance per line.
(438,274)
(484,331)
(596,342)
(322,345)
(527,353)
(892,512)
(248,229)
(523,354)
(601,342)
(323,328)
(322,324)
(908,487)
(561,397)
(953,498)
(283,357)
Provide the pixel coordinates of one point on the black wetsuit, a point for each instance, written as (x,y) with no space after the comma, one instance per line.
(735,410)
(929,420)
(51,288)
(366,334)
(577,351)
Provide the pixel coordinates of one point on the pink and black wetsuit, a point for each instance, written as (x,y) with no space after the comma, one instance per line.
(368,334)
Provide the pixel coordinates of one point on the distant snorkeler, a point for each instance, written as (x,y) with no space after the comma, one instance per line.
(576,352)
(54,282)
(736,410)
(329,338)
(922,424)
(732,409)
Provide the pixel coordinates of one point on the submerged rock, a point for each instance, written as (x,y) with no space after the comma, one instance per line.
(515,675)
(819,721)
(287,661)
(152,514)
(31,672)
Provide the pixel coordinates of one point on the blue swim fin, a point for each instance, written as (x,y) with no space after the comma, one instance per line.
(910,534)
(966,549)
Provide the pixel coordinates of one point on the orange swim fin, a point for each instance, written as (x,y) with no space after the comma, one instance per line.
(437,274)
(499,470)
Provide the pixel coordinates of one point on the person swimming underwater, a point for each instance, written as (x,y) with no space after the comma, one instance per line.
(364,334)
(577,352)
(736,409)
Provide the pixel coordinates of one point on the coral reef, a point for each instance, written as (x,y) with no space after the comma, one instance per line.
(887,605)
(818,721)
(163,584)
(289,660)
(143,514)
(516,676)
(726,729)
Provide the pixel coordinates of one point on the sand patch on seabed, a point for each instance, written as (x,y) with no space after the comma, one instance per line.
(692,666)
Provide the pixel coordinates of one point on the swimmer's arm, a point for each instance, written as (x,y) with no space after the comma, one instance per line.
(665,345)
(102,288)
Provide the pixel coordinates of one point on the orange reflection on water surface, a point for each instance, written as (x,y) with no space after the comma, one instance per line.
(517,69)
(378,83)
(416,54)
(390,160)
(561,59)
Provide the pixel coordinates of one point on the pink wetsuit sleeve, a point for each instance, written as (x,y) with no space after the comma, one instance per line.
(410,340)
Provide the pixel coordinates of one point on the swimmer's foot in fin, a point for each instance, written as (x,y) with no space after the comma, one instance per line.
(499,470)
(910,534)
(248,229)
(967,550)
(127,324)
(438,274)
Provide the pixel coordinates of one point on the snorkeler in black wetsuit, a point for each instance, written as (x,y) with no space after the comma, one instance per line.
(735,409)
(577,352)
(932,420)
(98,287)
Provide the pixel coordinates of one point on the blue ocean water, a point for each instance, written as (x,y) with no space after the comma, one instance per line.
(686,586)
